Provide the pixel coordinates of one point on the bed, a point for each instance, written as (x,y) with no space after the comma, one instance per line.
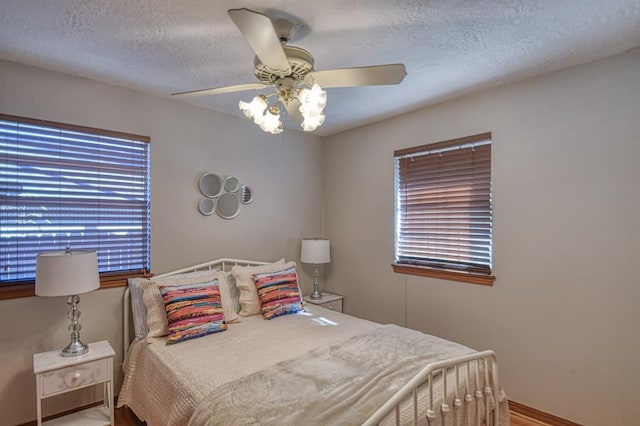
(314,366)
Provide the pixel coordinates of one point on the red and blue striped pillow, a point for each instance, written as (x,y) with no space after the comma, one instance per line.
(278,292)
(193,310)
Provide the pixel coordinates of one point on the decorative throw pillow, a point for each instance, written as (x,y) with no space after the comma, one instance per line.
(156,314)
(193,310)
(278,292)
(243,275)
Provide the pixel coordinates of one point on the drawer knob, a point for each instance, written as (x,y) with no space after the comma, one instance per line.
(72,379)
(331,307)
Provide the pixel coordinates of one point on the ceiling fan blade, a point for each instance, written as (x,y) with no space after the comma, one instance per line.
(261,36)
(293,109)
(219,90)
(358,76)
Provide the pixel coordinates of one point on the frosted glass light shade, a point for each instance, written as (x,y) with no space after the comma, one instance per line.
(309,124)
(61,273)
(315,97)
(315,251)
(255,108)
(271,121)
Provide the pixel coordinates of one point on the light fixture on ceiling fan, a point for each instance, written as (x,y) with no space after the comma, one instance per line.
(309,103)
(289,71)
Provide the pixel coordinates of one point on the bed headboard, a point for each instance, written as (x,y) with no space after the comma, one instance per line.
(213,265)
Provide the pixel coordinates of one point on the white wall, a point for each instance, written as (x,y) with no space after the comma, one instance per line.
(563,313)
(284,171)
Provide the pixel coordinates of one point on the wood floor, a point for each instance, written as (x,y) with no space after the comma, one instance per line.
(125,417)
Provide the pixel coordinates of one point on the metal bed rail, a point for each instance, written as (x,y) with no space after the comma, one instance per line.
(476,374)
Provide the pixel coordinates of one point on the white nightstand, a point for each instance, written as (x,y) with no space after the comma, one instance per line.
(329,301)
(56,374)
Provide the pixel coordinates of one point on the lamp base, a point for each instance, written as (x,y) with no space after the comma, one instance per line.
(316,295)
(75,348)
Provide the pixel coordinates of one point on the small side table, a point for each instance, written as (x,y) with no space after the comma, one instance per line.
(329,301)
(56,374)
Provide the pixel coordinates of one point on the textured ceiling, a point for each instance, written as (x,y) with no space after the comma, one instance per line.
(449,47)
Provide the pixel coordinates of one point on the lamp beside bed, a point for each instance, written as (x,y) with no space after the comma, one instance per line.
(316,251)
(68,273)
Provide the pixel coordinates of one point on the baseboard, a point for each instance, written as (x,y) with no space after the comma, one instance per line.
(538,415)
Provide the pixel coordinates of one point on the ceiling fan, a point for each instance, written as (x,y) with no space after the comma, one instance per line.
(289,70)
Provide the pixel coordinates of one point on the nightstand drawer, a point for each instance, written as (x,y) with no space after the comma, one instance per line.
(76,376)
(336,305)
(327,301)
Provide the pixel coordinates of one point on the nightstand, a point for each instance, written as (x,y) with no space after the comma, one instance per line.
(329,301)
(56,374)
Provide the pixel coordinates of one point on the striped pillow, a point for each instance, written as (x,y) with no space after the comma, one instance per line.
(278,293)
(193,310)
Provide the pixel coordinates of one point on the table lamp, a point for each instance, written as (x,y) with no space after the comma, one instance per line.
(68,273)
(316,251)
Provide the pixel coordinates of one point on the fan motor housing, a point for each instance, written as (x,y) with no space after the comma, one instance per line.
(300,60)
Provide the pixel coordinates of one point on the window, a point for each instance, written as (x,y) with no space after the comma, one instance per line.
(68,186)
(443,210)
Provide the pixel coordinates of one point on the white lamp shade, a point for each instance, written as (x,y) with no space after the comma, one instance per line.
(315,251)
(59,273)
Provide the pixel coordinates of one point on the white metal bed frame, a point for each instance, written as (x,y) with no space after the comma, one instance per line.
(485,361)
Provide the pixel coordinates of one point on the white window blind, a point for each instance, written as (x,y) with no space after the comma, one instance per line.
(68,186)
(443,205)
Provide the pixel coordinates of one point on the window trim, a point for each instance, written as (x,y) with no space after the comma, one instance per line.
(107,279)
(75,127)
(445,274)
(470,277)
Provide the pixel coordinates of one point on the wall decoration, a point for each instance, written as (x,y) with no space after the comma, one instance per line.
(210,185)
(228,205)
(206,206)
(231,184)
(245,193)
(222,196)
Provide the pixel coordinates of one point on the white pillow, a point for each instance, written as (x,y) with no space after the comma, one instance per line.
(156,314)
(235,293)
(243,275)
(138,309)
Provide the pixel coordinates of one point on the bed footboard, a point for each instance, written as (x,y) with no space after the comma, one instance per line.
(460,376)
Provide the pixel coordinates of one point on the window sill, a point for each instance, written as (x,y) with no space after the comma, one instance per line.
(28,289)
(445,274)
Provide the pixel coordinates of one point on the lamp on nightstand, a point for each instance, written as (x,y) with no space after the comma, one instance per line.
(68,273)
(316,251)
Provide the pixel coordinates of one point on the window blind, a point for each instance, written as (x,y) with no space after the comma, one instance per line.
(443,205)
(68,186)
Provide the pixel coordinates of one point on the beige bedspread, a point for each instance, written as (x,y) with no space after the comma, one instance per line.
(338,384)
(163,384)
